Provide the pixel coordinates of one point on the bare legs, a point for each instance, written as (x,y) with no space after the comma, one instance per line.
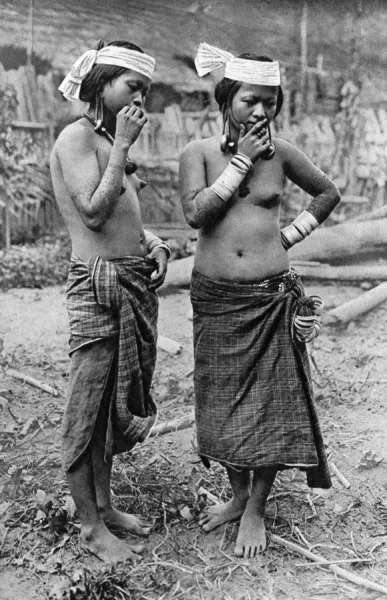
(111,516)
(213,516)
(250,505)
(95,536)
(89,484)
(251,538)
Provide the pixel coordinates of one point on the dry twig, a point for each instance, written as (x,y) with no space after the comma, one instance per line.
(339,475)
(174,425)
(31,381)
(352,577)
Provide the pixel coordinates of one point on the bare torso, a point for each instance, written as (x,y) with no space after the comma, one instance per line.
(123,233)
(245,245)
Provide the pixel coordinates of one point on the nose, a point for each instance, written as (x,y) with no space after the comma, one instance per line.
(259,111)
(138,100)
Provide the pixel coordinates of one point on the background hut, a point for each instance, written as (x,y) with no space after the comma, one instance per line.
(334,65)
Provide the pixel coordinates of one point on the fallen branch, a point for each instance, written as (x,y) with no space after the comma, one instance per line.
(339,475)
(370,585)
(31,381)
(337,562)
(341,241)
(174,425)
(356,307)
(378,213)
(359,273)
(168,345)
(179,272)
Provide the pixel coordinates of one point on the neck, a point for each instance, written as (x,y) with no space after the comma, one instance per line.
(109,119)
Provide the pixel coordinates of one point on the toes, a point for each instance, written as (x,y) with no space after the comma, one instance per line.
(204,514)
(203,520)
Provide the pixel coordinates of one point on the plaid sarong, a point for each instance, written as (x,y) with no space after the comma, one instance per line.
(112,300)
(253,387)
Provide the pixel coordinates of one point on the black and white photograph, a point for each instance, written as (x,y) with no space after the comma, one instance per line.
(193,300)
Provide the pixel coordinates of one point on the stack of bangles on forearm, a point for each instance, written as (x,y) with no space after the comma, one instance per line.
(152,242)
(233,175)
(299,229)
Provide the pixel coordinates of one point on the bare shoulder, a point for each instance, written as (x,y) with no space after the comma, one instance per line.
(199,148)
(74,136)
(285,149)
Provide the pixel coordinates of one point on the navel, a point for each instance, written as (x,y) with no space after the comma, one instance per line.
(240,253)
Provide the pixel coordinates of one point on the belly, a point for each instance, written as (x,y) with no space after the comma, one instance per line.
(244,246)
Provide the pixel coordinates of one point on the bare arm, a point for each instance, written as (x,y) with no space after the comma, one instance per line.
(301,170)
(95,197)
(201,205)
(205,205)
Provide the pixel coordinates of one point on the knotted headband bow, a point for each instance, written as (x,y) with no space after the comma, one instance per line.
(209,58)
(109,55)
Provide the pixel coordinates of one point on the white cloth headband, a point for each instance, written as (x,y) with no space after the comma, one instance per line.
(109,55)
(209,58)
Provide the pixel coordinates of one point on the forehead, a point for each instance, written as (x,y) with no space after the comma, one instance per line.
(132,76)
(261,92)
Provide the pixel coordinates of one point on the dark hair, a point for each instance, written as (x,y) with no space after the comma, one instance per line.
(226,89)
(100,75)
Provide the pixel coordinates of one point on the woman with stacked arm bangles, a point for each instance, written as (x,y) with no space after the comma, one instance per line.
(255,409)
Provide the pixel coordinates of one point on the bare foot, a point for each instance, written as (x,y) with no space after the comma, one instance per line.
(131,523)
(251,538)
(99,541)
(215,515)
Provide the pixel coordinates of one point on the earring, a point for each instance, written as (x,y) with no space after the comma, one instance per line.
(98,113)
(224,138)
(271,149)
(226,145)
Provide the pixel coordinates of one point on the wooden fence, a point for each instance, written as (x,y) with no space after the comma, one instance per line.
(352,152)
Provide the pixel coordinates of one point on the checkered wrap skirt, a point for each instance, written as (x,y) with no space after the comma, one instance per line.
(113,334)
(253,388)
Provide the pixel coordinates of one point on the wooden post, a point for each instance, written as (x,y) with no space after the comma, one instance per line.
(304,50)
(30,47)
(7,224)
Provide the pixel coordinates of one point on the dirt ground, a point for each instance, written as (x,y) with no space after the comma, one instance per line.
(39,548)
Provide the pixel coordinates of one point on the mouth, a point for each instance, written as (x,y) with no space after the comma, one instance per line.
(262,122)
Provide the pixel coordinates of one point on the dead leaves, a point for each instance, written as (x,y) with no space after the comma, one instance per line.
(57,515)
(369,460)
(202,497)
